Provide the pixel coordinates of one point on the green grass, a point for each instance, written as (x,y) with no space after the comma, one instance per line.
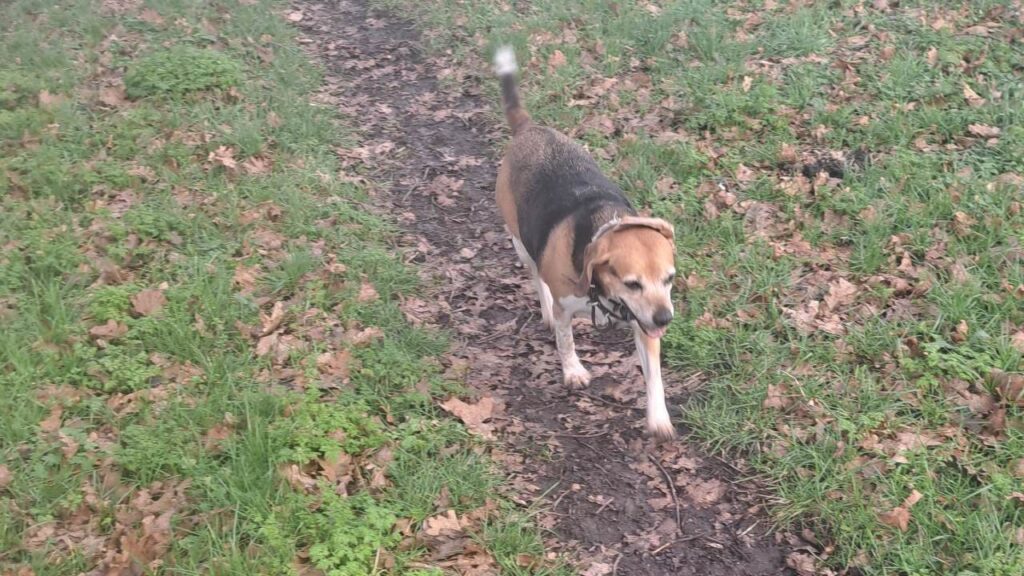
(927,226)
(207,177)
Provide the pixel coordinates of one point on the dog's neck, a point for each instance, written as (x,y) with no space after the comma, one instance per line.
(603,229)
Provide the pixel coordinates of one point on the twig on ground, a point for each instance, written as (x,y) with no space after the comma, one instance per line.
(559,499)
(683,539)
(588,435)
(672,487)
(747,530)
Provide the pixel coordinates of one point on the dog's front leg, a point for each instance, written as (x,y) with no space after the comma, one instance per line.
(649,351)
(575,375)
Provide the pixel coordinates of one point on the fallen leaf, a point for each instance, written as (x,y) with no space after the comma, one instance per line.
(5,476)
(297,478)
(295,16)
(961,332)
(245,278)
(983,130)
(367,293)
(973,100)
(597,569)
(364,336)
(224,156)
(1017,341)
(271,322)
(338,467)
(933,56)
(148,302)
(444,536)
(445,523)
(69,446)
(899,517)
(256,165)
(151,16)
(113,96)
(841,293)
(706,492)
(112,330)
(776,397)
(556,60)
(803,563)
(474,416)
(444,189)
(52,422)
(49,101)
(266,343)
(216,435)
(335,363)
(1009,386)
(787,154)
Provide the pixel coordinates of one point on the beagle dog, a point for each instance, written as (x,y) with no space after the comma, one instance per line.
(588,251)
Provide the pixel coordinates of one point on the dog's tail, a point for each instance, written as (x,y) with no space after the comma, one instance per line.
(505,67)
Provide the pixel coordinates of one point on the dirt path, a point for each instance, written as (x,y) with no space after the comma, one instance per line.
(605,482)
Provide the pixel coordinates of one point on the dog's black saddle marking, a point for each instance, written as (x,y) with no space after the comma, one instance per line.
(564,183)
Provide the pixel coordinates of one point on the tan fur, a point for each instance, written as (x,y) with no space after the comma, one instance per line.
(556,262)
(506,200)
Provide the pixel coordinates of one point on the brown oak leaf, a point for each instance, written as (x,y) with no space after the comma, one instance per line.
(474,416)
(899,517)
(148,302)
(112,330)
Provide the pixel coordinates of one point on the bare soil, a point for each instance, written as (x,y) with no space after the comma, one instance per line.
(432,146)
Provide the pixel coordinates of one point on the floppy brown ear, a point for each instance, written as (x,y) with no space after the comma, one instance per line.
(595,255)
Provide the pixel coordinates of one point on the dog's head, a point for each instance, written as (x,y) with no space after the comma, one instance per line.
(633,261)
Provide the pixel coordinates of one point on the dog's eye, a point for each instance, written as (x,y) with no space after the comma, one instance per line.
(633,285)
(670,278)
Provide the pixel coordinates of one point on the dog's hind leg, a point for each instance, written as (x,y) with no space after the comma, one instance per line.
(573,372)
(543,292)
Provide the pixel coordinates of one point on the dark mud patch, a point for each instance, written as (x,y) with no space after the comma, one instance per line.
(607,486)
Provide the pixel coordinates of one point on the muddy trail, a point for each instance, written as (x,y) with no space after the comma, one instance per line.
(583,455)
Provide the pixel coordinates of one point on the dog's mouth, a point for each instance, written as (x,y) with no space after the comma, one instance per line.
(653,332)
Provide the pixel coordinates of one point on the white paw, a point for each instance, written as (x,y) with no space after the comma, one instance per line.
(660,426)
(576,376)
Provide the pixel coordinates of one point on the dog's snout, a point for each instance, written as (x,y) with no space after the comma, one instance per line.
(662,317)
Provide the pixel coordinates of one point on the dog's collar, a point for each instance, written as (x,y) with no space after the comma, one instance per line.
(607,226)
(619,310)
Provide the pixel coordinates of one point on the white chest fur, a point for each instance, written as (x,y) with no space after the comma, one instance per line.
(578,307)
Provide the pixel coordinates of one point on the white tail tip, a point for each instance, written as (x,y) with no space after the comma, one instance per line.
(505,61)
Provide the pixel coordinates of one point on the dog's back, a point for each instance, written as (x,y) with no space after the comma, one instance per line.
(554,179)
(546,177)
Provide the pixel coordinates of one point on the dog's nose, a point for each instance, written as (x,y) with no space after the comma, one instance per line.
(662,317)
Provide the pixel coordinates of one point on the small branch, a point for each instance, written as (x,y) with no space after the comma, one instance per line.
(672,487)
